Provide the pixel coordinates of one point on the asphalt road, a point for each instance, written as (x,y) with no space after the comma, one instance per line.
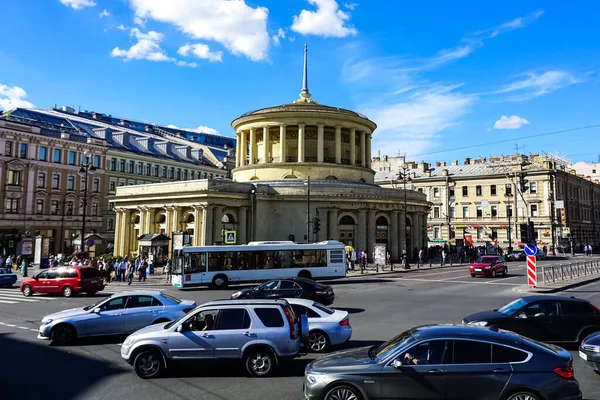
(380,307)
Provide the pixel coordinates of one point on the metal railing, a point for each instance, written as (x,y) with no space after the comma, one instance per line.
(551,274)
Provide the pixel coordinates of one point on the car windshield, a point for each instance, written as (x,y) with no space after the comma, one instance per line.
(94,305)
(270,285)
(484,260)
(172,298)
(513,307)
(323,308)
(5,271)
(384,349)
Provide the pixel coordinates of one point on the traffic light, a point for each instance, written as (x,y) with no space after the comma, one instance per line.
(523,183)
(524,231)
(316,225)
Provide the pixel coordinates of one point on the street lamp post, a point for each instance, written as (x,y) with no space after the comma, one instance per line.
(87,168)
(405,179)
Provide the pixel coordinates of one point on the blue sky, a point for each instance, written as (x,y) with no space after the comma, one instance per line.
(435,76)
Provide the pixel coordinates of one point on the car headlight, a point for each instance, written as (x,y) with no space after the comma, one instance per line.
(314,378)
(128,341)
(592,348)
(488,267)
(46,321)
(478,323)
(236,295)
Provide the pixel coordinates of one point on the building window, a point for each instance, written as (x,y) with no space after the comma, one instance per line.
(480,233)
(156,168)
(94,209)
(185,174)
(436,192)
(509,212)
(164,172)
(70,182)
(54,204)
(69,208)
(55,181)
(96,185)
(534,210)
(508,189)
(121,183)
(420,190)
(56,156)
(82,183)
(205,175)
(172,173)
(465,212)
(39,206)
(43,154)
(494,211)
(131,166)
(532,187)
(148,169)
(23,150)
(452,212)
(112,186)
(493,190)
(436,232)
(436,212)
(192,175)
(478,191)
(41,181)
(96,161)
(451,191)
(11,206)
(8,149)
(140,169)
(113,164)
(465,191)
(494,234)
(110,226)
(72,158)
(122,165)
(178,174)
(13,178)
(479,211)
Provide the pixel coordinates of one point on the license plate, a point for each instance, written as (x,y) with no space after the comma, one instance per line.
(477,269)
(583,355)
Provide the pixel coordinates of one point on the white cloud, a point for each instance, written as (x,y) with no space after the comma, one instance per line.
(327,21)
(512,122)
(147,47)
(511,25)
(200,50)
(122,27)
(139,21)
(351,6)
(237,26)
(78,4)
(537,84)
(13,97)
(104,13)
(186,64)
(280,34)
(200,129)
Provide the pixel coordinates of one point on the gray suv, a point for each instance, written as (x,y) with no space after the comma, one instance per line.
(262,333)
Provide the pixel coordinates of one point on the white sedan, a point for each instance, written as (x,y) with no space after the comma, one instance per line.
(327,327)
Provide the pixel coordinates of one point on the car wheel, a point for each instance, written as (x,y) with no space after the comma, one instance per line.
(220,282)
(62,335)
(473,275)
(494,274)
(318,341)
(67,291)
(505,272)
(259,362)
(27,291)
(148,364)
(342,392)
(523,396)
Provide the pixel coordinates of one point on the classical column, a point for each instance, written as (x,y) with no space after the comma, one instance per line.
(125,228)
(197,223)
(371,233)
(282,144)
(368,150)
(320,143)
(322,234)
(207,226)
(362,231)
(363,161)
(118,233)
(352,146)
(332,231)
(242,226)
(175,221)
(266,156)
(142,224)
(238,146)
(414,230)
(402,230)
(301,142)
(149,228)
(217,224)
(338,144)
(394,236)
(252,146)
(243,148)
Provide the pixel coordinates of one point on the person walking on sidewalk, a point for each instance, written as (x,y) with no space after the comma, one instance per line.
(24,266)
(142,270)
(122,270)
(130,272)
(443,257)
(169,271)
(421,256)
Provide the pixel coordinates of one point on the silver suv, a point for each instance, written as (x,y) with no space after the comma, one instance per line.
(260,332)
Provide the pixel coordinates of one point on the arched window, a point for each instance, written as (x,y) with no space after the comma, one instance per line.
(347,220)
(254,178)
(362,180)
(331,178)
(190,218)
(290,177)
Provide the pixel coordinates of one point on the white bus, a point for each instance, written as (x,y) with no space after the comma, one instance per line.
(218,266)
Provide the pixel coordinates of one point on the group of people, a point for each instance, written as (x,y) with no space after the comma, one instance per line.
(125,270)
(588,250)
(19,262)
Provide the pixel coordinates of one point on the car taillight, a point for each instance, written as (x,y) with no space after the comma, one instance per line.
(319,292)
(565,372)
(597,309)
(187,310)
(345,322)
(290,319)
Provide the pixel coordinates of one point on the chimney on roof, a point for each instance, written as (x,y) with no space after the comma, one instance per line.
(455,162)
(97,116)
(428,172)
(444,172)
(124,123)
(467,161)
(149,128)
(424,166)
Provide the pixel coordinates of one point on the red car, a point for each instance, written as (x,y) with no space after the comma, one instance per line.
(489,266)
(65,280)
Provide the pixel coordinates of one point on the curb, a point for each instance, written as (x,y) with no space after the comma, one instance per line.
(546,289)
(372,273)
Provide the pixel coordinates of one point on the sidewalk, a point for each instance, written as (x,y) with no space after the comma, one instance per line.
(397,269)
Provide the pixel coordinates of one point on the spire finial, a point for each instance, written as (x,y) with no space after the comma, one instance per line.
(305,94)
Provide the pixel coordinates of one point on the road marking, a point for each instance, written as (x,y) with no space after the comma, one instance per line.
(455,281)
(8,302)
(18,299)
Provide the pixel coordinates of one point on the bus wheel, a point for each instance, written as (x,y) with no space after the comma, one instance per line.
(304,274)
(220,282)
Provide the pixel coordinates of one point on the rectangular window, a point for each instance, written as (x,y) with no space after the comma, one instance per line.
(122,165)
(11,206)
(131,167)
(508,189)
(8,148)
(192,175)
(56,156)
(43,154)
(72,158)
(85,160)
(164,172)
(156,168)
(509,212)
(82,183)
(494,234)
(480,234)
(113,164)
(148,169)
(96,185)
(532,187)
(493,190)
(23,150)
(465,212)
(178,176)
(13,178)
(452,212)
(479,211)
(121,183)
(69,208)
(436,212)
(465,191)
(112,186)
(494,210)
(39,206)
(436,192)
(478,190)
(185,174)
(96,162)
(436,233)
(534,210)
(95,209)
(71,182)
(270,317)
(55,181)
(172,173)
(140,169)
(54,205)
(232,319)
(41,180)
(451,191)
(110,226)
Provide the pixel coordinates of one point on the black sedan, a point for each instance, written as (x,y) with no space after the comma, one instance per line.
(289,287)
(590,351)
(453,362)
(553,319)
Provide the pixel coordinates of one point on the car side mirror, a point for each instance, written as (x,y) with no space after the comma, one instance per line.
(179,329)
(97,310)
(397,364)
(35,277)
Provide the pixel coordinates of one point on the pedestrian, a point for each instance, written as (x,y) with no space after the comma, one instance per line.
(24,266)
(129,272)
(9,262)
(421,256)
(108,272)
(142,270)
(1,262)
(364,259)
(388,259)
(443,257)
(122,270)
(169,271)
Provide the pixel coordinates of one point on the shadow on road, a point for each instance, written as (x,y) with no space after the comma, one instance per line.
(29,368)
(227,368)
(358,343)
(350,281)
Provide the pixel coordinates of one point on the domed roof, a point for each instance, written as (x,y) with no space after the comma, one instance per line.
(304,107)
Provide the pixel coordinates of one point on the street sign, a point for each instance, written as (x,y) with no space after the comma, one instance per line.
(530,250)
(559,204)
(531,270)
(90,242)
(566,231)
(230,237)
